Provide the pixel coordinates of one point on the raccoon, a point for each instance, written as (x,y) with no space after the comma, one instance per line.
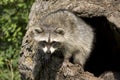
(62,30)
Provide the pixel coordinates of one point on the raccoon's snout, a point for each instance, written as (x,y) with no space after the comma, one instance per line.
(49,47)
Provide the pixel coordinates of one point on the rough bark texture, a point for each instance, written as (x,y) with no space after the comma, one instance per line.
(31,63)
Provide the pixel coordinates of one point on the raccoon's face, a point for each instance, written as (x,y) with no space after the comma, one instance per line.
(53,32)
(49,38)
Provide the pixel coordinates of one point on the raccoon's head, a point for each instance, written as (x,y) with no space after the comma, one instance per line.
(49,38)
(54,31)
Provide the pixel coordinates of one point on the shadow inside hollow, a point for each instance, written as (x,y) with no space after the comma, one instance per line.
(105,55)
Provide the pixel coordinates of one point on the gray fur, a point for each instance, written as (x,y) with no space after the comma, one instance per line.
(77,37)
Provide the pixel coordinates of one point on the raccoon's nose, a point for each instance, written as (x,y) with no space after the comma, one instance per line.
(48,52)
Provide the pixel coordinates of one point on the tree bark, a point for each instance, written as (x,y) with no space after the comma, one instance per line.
(31,63)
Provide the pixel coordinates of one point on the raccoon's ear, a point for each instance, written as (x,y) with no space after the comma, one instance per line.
(60,31)
(37,30)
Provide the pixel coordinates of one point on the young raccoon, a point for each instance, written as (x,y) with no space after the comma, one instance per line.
(62,30)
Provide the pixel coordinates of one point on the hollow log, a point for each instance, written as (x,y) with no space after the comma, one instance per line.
(31,63)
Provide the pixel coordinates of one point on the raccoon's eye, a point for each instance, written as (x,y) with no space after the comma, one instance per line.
(60,31)
(38,31)
(42,43)
(56,44)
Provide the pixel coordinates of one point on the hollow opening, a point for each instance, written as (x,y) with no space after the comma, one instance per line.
(105,55)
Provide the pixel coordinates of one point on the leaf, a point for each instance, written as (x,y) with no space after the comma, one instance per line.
(1,61)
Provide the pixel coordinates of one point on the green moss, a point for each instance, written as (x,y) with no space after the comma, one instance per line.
(13,21)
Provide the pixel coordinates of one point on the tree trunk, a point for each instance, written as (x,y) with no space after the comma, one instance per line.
(31,63)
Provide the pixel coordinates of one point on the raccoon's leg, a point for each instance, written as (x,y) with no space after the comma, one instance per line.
(80,57)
